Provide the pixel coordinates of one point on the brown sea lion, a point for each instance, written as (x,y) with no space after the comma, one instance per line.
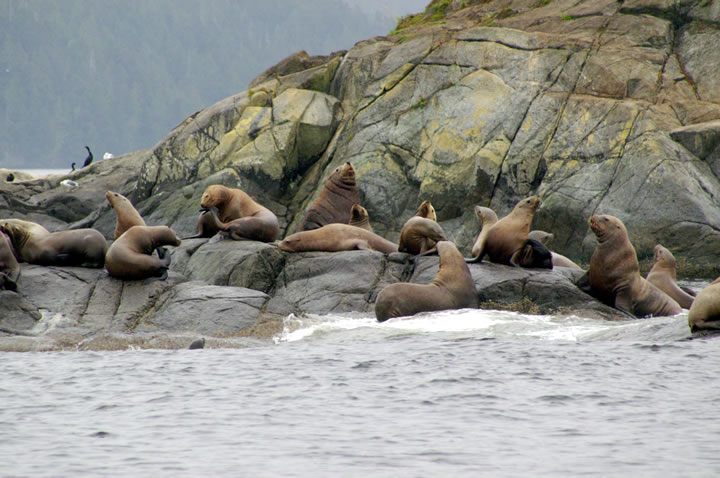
(334,202)
(336,237)
(488,218)
(239,216)
(419,236)
(704,312)
(36,245)
(359,217)
(130,256)
(426,210)
(664,275)
(532,254)
(508,234)
(452,288)
(9,267)
(127,215)
(614,273)
(542,237)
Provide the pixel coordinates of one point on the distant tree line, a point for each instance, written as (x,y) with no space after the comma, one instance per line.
(119,75)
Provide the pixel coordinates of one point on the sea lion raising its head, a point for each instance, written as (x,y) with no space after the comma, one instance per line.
(663,275)
(614,273)
(127,215)
(359,217)
(130,256)
(335,200)
(426,210)
(452,288)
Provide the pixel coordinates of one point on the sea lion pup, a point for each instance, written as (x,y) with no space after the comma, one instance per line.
(9,267)
(239,215)
(704,312)
(359,217)
(488,218)
(614,273)
(452,288)
(664,275)
(127,215)
(506,235)
(336,237)
(335,200)
(36,245)
(532,254)
(130,256)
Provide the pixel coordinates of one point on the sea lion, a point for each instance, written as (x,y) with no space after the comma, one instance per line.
(507,235)
(36,245)
(359,217)
(239,216)
(9,267)
(541,236)
(336,237)
(420,235)
(127,215)
(664,275)
(704,312)
(559,260)
(452,288)
(334,202)
(532,254)
(488,218)
(614,273)
(426,210)
(130,256)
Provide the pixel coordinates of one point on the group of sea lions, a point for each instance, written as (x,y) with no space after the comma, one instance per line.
(336,221)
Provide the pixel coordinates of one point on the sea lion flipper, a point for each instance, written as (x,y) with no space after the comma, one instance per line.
(624,302)
(688,291)
(473,260)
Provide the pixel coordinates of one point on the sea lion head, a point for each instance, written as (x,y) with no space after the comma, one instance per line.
(528,205)
(485,214)
(344,174)
(212,196)
(606,227)
(113,198)
(664,256)
(427,211)
(541,236)
(20,231)
(358,213)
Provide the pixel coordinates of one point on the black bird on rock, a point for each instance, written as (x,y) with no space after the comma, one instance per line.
(89,158)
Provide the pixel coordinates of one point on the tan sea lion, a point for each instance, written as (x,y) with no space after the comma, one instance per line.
(532,254)
(426,210)
(127,215)
(9,267)
(130,256)
(419,236)
(488,218)
(507,235)
(542,237)
(359,217)
(558,260)
(36,245)
(452,288)
(704,312)
(240,216)
(664,275)
(614,273)
(336,237)
(334,202)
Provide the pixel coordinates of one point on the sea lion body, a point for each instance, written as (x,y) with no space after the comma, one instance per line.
(127,215)
(239,215)
(664,275)
(452,288)
(558,260)
(359,217)
(614,273)
(9,266)
(532,254)
(704,312)
(130,256)
(335,201)
(488,218)
(420,235)
(36,245)
(336,237)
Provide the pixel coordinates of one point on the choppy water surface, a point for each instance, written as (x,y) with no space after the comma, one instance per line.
(465,393)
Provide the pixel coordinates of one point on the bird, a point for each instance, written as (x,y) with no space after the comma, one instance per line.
(10,178)
(73,167)
(108,156)
(89,158)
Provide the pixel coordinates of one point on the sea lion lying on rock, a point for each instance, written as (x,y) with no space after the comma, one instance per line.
(36,245)
(127,215)
(9,267)
(336,237)
(704,312)
(130,256)
(335,201)
(614,273)
(452,288)
(663,275)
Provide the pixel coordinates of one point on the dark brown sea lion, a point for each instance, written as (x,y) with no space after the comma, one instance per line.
(614,273)
(452,288)
(336,237)
(9,267)
(704,312)
(359,217)
(130,256)
(239,216)
(664,275)
(488,218)
(36,245)
(334,202)
(508,234)
(127,215)
(532,254)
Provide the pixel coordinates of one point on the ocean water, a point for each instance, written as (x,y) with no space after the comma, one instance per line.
(457,393)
